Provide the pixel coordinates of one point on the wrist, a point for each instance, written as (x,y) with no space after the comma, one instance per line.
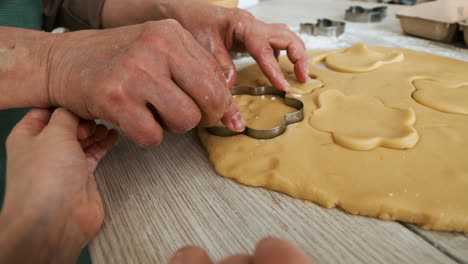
(117,13)
(23,67)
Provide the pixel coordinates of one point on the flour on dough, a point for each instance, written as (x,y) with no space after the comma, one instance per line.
(361,58)
(440,97)
(362,122)
(297,87)
(426,184)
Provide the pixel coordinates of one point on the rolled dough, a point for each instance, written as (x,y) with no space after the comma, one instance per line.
(441,97)
(298,88)
(426,184)
(363,122)
(359,58)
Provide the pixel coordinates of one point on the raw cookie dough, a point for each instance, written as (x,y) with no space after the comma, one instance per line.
(361,58)
(426,184)
(363,122)
(441,98)
(297,87)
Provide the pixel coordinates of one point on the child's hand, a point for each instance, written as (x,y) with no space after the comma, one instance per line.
(268,251)
(52,205)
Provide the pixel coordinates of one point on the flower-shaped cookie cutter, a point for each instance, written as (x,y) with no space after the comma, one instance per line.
(365,15)
(323,27)
(270,133)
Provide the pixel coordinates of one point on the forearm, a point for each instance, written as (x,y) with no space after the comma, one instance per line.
(117,13)
(23,67)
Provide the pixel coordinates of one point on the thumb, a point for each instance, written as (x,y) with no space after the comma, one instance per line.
(64,122)
(277,251)
(32,123)
(190,255)
(224,60)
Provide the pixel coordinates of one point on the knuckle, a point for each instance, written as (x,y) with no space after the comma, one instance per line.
(186,121)
(218,71)
(148,137)
(192,120)
(114,97)
(281,26)
(172,23)
(244,15)
(263,50)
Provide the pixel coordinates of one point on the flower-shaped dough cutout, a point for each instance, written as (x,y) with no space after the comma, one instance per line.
(363,122)
(297,87)
(263,112)
(441,97)
(360,58)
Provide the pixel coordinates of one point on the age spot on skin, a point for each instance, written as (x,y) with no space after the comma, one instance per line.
(9,56)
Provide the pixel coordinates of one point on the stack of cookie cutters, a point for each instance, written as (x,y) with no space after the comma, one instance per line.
(323,27)
(270,133)
(365,15)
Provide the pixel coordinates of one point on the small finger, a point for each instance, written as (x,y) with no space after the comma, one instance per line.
(100,148)
(178,112)
(99,134)
(296,51)
(190,255)
(238,259)
(278,251)
(140,126)
(85,129)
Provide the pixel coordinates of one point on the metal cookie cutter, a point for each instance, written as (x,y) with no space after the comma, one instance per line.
(323,27)
(365,15)
(290,118)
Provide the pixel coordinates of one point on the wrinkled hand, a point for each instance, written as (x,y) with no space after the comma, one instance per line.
(268,251)
(220,29)
(51,191)
(142,78)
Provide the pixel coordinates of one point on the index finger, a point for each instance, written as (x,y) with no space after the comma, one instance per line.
(296,51)
(264,55)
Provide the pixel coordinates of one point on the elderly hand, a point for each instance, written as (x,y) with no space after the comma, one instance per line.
(219,30)
(268,251)
(142,78)
(52,204)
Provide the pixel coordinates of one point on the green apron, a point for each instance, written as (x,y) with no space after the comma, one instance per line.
(24,14)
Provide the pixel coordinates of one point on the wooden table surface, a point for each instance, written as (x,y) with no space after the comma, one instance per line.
(158,200)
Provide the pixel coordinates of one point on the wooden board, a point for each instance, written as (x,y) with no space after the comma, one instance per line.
(160,199)
(452,244)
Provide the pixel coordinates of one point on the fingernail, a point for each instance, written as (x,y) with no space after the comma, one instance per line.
(228,74)
(238,122)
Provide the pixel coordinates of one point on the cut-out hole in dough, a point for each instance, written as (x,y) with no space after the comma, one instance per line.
(363,122)
(360,58)
(441,97)
(297,87)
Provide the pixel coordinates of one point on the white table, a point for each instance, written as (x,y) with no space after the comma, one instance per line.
(160,199)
